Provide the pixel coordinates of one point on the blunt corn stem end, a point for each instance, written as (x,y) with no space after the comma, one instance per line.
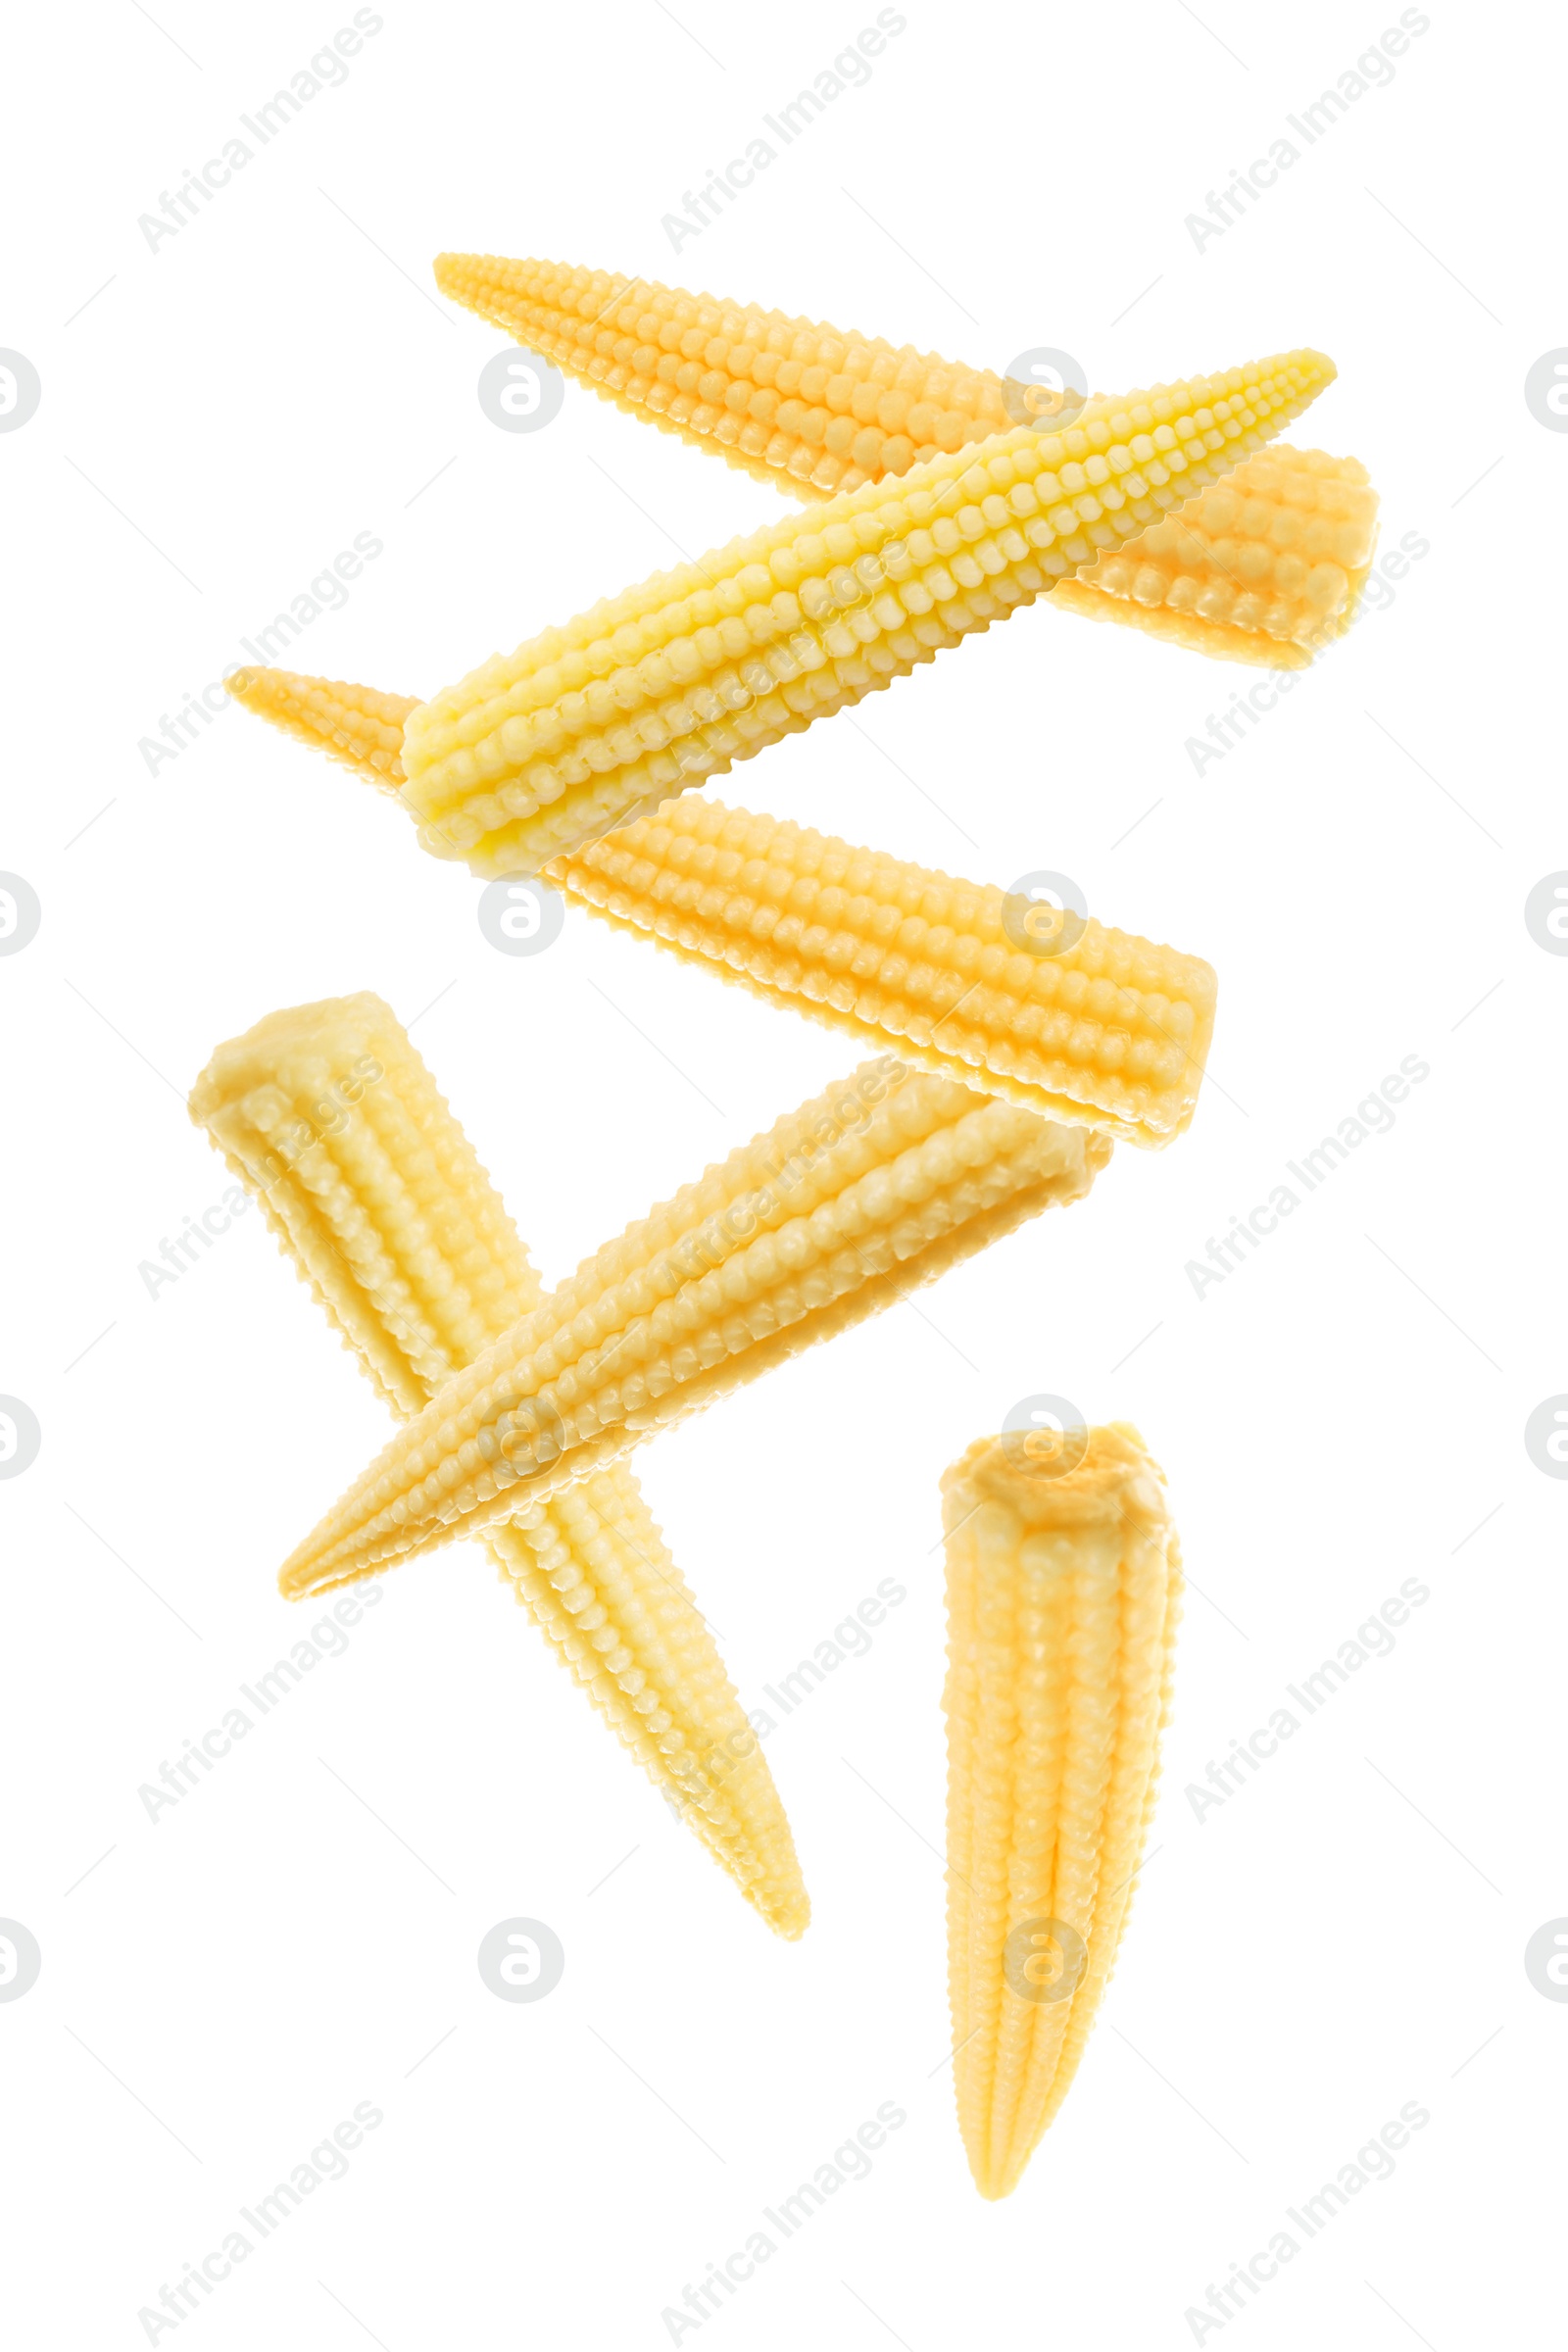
(1056,1012)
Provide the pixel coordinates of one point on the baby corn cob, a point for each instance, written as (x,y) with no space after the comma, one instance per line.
(677,678)
(333,1121)
(793,400)
(1266,566)
(868,1189)
(1231,577)
(1063,1593)
(1109,1032)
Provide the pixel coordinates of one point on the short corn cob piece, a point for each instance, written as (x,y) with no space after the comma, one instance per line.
(675,679)
(1267,566)
(1110,1031)
(793,400)
(1063,1593)
(333,1121)
(870,1188)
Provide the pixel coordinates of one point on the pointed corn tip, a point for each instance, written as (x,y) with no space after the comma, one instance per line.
(360,726)
(790,1917)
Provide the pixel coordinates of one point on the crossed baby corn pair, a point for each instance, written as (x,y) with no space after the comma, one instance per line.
(1063,1593)
(582,727)
(1265,570)
(332,1120)
(867,1190)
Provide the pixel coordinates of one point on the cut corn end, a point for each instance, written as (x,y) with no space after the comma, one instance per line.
(1063,1593)
(1108,1030)
(333,1123)
(1266,567)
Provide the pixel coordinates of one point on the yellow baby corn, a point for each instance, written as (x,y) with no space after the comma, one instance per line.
(1226,554)
(864,1193)
(793,400)
(1063,1593)
(1066,1019)
(1266,566)
(677,678)
(333,1122)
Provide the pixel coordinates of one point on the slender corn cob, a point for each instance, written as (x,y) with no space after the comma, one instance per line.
(870,1188)
(1267,566)
(1099,1028)
(1064,1594)
(793,400)
(1111,1031)
(331,1119)
(1222,578)
(680,676)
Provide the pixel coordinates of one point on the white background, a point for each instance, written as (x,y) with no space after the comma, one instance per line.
(1341,1936)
